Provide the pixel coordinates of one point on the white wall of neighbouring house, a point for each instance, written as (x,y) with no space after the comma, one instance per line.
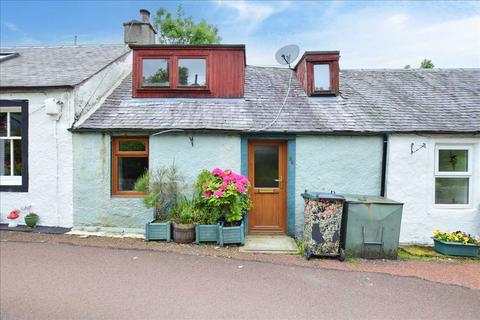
(50,144)
(50,160)
(411,180)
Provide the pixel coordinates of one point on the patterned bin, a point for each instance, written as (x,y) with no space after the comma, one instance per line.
(323,220)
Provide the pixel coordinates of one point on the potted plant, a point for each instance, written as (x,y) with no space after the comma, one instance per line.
(162,188)
(183,217)
(31,219)
(226,192)
(456,243)
(207,218)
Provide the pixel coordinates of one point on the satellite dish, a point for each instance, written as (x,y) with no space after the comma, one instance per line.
(287,54)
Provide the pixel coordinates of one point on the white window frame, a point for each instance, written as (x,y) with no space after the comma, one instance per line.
(454,174)
(10,180)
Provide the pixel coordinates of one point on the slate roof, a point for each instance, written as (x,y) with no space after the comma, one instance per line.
(55,66)
(371,101)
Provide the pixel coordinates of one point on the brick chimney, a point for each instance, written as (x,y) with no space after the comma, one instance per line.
(139,32)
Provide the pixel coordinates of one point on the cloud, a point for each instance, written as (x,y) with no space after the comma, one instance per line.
(11,26)
(251,14)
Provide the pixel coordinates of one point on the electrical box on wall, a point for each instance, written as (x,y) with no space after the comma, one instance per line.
(53,107)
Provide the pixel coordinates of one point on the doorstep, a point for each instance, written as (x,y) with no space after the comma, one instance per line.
(269,244)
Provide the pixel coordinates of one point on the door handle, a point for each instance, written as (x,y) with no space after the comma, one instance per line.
(280,179)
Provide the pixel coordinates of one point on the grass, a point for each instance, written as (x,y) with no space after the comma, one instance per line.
(301,247)
(429,254)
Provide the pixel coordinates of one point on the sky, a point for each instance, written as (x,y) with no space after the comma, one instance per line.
(369,34)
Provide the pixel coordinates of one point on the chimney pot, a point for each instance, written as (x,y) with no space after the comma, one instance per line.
(145,14)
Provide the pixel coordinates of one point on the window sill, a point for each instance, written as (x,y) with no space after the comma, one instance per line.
(128,195)
(323,93)
(173,90)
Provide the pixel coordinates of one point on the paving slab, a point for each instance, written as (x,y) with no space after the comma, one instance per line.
(269,244)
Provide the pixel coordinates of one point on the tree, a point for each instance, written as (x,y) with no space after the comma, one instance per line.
(183,30)
(426,64)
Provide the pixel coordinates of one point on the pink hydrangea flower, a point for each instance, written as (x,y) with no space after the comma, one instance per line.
(240,187)
(217,172)
(227,179)
(207,194)
(224,186)
(218,193)
(226,173)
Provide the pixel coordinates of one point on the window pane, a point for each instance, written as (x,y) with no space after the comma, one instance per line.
(15,124)
(451,190)
(192,72)
(155,73)
(4,157)
(131,145)
(17,157)
(3,124)
(321,74)
(129,169)
(266,166)
(453,160)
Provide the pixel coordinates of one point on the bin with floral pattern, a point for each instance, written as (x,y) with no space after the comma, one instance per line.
(323,220)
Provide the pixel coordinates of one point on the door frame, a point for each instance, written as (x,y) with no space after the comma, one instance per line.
(291,163)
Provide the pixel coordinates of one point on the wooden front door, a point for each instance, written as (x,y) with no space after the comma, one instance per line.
(267,171)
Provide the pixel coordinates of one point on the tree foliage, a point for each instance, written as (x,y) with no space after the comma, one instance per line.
(426,64)
(183,30)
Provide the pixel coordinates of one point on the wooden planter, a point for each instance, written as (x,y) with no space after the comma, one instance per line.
(183,233)
(456,248)
(230,235)
(206,233)
(158,231)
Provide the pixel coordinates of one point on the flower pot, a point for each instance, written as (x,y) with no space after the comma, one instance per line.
(231,235)
(31,220)
(206,233)
(456,248)
(183,233)
(158,231)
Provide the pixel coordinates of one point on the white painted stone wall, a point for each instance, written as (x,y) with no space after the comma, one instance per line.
(410,179)
(50,161)
(50,146)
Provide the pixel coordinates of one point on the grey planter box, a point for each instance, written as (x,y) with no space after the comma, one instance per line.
(158,231)
(206,233)
(230,235)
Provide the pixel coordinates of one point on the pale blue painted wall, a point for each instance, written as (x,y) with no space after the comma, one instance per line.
(93,203)
(345,164)
(323,163)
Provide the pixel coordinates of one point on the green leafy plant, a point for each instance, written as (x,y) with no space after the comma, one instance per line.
(162,188)
(426,64)
(183,30)
(225,193)
(184,212)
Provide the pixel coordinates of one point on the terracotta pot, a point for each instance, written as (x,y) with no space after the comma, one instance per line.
(183,233)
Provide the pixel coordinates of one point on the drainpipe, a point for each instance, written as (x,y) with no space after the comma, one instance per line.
(384,164)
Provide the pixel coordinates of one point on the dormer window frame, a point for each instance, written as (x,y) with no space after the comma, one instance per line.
(173,58)
(331,90)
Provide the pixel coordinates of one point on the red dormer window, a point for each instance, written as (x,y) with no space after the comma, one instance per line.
(165,71)
(318,71)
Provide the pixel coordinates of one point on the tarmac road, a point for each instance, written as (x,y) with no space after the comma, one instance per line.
(60,281)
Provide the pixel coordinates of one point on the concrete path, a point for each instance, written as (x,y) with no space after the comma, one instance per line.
(60,281)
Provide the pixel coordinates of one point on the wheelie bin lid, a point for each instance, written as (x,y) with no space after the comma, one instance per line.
(322,196)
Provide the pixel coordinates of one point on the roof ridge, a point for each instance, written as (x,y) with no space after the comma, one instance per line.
(64,46)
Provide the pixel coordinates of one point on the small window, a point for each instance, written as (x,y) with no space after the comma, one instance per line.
(191,72)
(13,145)
(321,76)
(453,175)
(156,73)
(266,166)
(129,162)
